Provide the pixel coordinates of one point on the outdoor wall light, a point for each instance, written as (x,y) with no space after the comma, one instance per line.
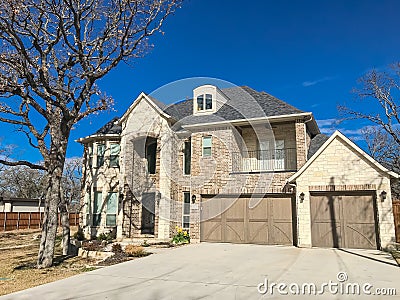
(383,195)
(193,198)
(301,196)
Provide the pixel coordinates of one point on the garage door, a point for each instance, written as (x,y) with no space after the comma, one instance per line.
(343,220)
(267,222)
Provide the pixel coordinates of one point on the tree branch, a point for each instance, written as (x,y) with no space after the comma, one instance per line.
(22,163)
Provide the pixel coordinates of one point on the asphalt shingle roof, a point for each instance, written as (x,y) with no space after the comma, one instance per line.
(243,103)
(110,128)
(316,143)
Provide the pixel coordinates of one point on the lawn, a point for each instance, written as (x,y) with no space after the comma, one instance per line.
(18,252)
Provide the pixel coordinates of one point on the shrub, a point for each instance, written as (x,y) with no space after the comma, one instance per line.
(116,248)
(105,237)
(135,251)
(92,245)
(181,236)
(79,234)
(145,244)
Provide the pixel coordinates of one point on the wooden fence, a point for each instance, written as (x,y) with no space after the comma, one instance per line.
(396,214)
(28,220)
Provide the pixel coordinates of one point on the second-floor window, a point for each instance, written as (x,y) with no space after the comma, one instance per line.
(187,157)
(101,150)
(151,156)
(90,155)
(207,141)
(204,102)
(114,155)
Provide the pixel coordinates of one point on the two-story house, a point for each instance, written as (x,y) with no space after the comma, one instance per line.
(233,165)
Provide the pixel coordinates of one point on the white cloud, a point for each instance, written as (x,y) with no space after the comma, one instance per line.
(314,82)
(327,122)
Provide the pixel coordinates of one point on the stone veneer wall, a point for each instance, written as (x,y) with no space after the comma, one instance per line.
(340,167)
(103,179)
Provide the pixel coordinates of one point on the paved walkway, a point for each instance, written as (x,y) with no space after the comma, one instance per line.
(226,271)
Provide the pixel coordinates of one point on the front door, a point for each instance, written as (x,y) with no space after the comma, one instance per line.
(148,213)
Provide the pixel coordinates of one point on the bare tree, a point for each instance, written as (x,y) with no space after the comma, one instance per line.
(22,182)
(71,186)
(379,96)
(52,53)
(387,152)
(379,89)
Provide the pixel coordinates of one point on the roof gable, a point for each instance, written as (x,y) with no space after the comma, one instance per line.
(158,106)
(337,135)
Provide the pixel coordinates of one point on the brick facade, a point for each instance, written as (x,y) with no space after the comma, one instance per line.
(338,168)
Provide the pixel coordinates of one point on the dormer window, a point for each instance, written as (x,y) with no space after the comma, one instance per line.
(204,102)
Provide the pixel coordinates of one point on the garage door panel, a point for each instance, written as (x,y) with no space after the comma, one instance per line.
(325,208)
(343,220)
(326,234)
(269,222)
(360,236)
(211,230)
(358,209)
(236,209)
(258,232)
(280,209)
(260,211)
(281,234)
(234,232)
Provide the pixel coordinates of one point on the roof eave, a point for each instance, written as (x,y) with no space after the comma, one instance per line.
(271,119)
(336,134)
(93,137)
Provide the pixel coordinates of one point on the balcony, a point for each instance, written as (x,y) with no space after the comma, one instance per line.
(264,160)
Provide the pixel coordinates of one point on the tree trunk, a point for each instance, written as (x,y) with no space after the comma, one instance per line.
(49,226)
(55,166)
(65,228)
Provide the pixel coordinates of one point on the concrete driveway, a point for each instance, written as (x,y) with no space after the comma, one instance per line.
(227,271)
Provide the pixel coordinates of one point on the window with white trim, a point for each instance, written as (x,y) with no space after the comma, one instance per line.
(207,142)
(101,150)
(97,208)
(111,212)
(186,211)
(204,102)
(114,155)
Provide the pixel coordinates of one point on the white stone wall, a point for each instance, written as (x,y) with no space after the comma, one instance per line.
(340,165)
(104,179)
(145,121)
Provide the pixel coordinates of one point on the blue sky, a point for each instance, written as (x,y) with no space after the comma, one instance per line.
(307,53)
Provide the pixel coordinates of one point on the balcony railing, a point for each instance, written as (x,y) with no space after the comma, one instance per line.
(264,160)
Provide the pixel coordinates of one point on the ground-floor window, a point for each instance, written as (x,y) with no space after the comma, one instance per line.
(186,211)
(97,207)
(111,216)
(88,205)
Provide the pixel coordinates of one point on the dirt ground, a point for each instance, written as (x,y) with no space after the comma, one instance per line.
(18,253)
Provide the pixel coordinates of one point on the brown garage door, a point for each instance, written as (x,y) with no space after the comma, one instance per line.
(268,222)
(343,220)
